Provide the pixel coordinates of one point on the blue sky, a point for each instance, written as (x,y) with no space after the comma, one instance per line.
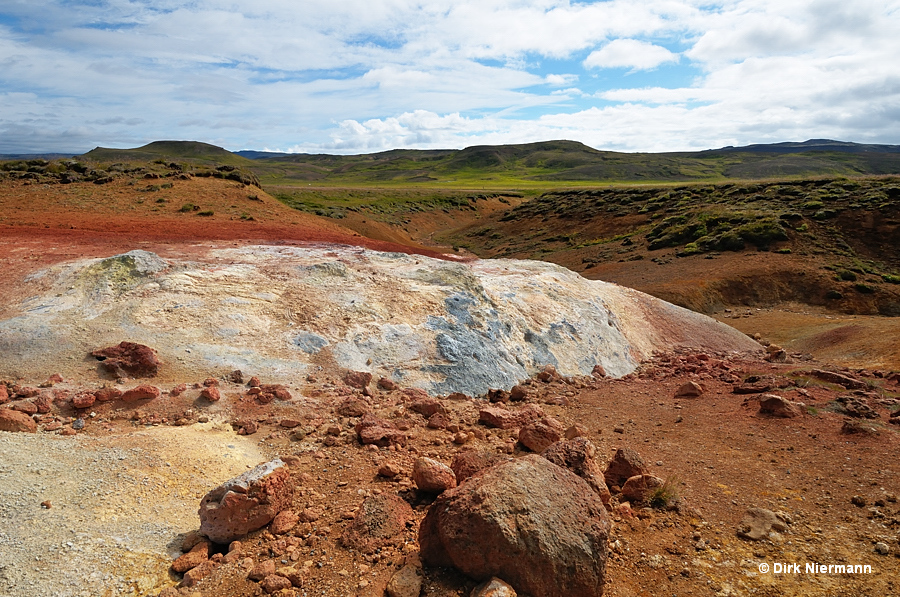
(357,76)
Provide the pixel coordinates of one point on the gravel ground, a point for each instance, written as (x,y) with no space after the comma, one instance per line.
(118,505)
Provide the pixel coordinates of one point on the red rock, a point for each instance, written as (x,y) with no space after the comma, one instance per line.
(29,408)
(311,514)
(357,379)
(386,384)
(495,416)
(352,407)
(277,391)
(128,359)
(380,521)
(143,392)
(577,455)
(598,371)
(254,382)
(283,522)
(192,540)
(195,575)
(639,489)
(537,436)
(192,559)
(107,394)
(495,396)
(55,378)
(554,545)
(466,464)
(53,426)
(776,406)
(84,400)
(625,464)
(178,390)
(372,430)
(413,393)
(236,376)
(246,502)
(518,393)
(211,393)
(432,476)
(406,582)
(68,431)
(274,583)
(548,373)
(289,423)
(210,381)
(438,421)
(16,421)
(389,469)
(27,392)
(840,379)
(576,430)
(690,389)
(246,427)
(262,570)
(458,396)
(265,397)
(427,406)
(4,394)
(44,402)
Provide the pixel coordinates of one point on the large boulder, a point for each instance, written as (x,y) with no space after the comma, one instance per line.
(247,502)
(534,524)
(128,359)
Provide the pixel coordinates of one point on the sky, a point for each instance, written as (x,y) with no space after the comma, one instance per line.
(361,76)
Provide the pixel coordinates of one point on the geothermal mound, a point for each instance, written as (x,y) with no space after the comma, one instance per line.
(286,311)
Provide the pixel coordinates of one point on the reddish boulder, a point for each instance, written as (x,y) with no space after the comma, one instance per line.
(43,403)
(539,435)
(13,420)
(432,476)
(196,556)
(380,521)
(27,392)
(128,359)
(246,502)
(144,392)
(357,379)
(776,406)
(624,465)
(640,488)
(528,521)
(577,455)
(274,583)
(518,393)
(466,464)
(386,384)
(427,406)
(352,407)
(495,416)
(29,408)
(211,393)
(4,394)
(372,430)
(283,522)
(84,400)
(107,394)
(689,390)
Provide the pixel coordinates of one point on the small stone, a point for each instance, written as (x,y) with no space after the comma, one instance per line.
(690,389)
(283,522)
(386,384)
(389,469)
(758,522)
(262,570)
(776,406)
(254,382)
(405,583)
(274,583)
(882,548)
(493,588)
(432,476)
(46,505)
(574,431)
(143,392)
(858,501)
(211,393)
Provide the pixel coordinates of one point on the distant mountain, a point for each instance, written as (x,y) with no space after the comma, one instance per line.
(812,145)
(547,161)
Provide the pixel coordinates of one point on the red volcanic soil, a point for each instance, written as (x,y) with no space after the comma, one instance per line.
(45,224)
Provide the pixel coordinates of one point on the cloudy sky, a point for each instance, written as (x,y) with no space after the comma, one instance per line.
(358,76)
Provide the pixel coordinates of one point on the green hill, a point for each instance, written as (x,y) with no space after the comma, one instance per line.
(190,151)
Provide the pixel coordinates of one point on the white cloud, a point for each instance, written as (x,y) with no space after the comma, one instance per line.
(358,74)
(629,53)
